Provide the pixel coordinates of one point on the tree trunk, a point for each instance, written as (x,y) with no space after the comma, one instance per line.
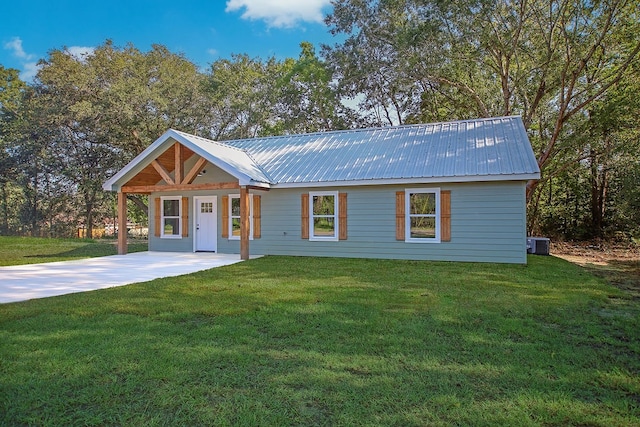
(5,211)
(139,203)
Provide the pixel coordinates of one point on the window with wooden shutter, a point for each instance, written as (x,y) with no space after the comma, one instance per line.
(323,216)
(423,215)
(304,231)
(225,216)
(342,216)
(234,217)
(257,216)
(172,217)
(445,215)
(400,219)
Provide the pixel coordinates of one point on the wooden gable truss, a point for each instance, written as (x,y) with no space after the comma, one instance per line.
(167,172)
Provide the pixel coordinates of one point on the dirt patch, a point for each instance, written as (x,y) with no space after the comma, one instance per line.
(618,264)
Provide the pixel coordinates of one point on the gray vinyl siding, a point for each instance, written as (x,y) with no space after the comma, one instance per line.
(488,223)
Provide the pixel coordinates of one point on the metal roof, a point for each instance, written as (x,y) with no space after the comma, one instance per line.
(232,160)
(496,148)
(470,150)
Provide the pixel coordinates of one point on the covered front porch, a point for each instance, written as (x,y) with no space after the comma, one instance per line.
(178,164)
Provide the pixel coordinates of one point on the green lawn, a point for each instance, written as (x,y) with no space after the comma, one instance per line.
(31,250)
(303,341)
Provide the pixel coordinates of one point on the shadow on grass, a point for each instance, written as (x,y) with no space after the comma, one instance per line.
(625,275)
(90,250)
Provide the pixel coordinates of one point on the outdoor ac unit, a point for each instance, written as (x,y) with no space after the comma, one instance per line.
(538,245)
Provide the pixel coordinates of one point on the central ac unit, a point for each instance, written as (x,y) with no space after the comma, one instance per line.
(538,245)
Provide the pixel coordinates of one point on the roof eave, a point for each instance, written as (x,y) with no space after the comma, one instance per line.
(411,181)
(113,184)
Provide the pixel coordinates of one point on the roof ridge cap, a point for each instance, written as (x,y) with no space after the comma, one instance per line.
(370,129)
(223,144)
(212,141)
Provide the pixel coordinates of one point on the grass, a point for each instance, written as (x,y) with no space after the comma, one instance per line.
(305,341)
(31,250)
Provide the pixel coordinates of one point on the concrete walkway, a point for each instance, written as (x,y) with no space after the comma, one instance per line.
(23,282)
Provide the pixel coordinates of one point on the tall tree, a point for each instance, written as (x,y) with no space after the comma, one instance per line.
(309,100)
(242,93)
(105,107)
(547,60)
(11,95)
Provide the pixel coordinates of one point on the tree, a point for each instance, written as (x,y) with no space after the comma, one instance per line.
(547,60)
(309,100)
(242,92)
(11,94)
(95,112)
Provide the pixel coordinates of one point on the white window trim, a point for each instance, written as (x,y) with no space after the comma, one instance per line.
(162,217)
(237,196)
(313,237)
(407,214)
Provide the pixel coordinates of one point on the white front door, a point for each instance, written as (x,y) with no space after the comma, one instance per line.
(206,224)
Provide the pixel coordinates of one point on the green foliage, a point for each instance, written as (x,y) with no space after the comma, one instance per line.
(570,69)
(562,66)
(304,341)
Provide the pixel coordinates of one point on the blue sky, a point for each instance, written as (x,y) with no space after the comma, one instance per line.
(202,30)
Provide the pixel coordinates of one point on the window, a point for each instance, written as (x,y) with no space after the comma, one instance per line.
(206,207)
(422,215)
(171,221)
(234,216)
(323,221)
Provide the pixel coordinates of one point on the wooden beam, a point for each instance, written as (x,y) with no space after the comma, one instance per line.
(164,173)
(179,163)
(122,223)
(244,223)
(195,170)
(148,189)
(253,187)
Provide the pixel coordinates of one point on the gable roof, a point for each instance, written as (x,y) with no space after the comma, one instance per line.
(489,149)
(232,160)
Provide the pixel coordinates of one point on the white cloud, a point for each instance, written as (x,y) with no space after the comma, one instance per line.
(212,52)
(29,67)
(29,71)
(280,13)
(80,52)
(15,45)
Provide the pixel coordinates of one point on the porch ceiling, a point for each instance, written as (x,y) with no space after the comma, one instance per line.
(150,176)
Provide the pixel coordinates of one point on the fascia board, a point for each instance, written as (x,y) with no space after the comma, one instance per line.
(111,183)
(143,159)
(411,181)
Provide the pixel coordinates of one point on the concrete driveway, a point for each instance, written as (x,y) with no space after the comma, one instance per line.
(23,282)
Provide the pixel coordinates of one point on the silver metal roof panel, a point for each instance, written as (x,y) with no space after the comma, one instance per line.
(470,149)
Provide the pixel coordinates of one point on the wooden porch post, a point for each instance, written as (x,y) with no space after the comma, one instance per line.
(244,223)
(122,223)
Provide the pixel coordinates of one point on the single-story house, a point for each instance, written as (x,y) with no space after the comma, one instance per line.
(443,191)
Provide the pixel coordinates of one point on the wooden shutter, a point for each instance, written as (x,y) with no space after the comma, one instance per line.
(304,231)
(156,217)
(400,217)
(257,226)
(225,216)
(445,215)
(342,216)
(185,217)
